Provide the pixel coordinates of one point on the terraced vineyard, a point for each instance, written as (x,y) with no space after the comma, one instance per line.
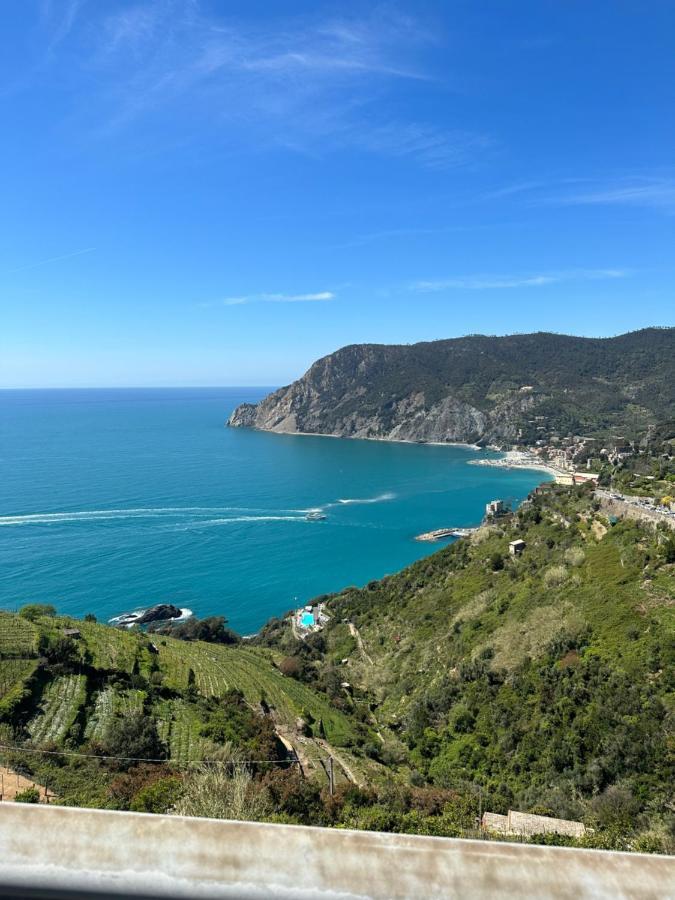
(61,703)
(107,704)
(180,728)
(14,675)
(111,648)
(101,715)
(18,636)
(14,672)
(217,669)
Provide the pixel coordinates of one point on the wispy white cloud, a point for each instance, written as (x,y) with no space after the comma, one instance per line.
(316,83)
(648,191)
(433,147)
(318,297)
(656,193)
(59,19)
(51,259)
(511,190)
(499,282)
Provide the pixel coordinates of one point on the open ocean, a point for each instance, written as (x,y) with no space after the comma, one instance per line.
(113,500)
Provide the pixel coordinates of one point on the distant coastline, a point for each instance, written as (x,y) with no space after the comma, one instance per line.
(463,445)
(511,459)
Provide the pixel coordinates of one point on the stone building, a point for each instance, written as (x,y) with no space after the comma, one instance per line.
(526,824)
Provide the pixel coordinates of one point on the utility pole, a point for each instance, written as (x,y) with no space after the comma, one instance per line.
(331,779)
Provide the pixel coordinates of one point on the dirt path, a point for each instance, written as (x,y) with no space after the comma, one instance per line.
(291,741)
(11,784)
(354,631)
(294,628)
(331,751)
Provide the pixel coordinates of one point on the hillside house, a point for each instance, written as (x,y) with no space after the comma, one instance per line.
(585,477)
(494,508)
(516,547)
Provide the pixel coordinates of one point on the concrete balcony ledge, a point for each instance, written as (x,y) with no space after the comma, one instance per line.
(57,852)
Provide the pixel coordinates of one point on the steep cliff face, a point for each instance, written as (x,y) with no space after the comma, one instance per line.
(476,389)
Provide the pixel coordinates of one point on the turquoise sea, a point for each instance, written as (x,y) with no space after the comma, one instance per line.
(113,500)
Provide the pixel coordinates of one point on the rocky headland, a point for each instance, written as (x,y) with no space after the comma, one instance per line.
(479,390)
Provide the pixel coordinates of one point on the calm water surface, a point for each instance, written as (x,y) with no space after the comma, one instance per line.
(112,500)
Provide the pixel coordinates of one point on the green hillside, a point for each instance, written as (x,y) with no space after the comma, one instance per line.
(65,693)
(543,681)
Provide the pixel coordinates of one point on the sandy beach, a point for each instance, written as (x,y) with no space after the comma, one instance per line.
(520,459)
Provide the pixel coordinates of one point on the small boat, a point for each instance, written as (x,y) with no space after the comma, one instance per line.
(315,515)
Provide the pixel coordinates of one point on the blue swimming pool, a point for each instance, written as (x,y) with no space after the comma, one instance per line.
(307,620)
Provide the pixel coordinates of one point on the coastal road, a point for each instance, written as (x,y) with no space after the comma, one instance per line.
(632,507)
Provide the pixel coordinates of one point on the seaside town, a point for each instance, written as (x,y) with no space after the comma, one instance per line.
(625,472)
(630,480)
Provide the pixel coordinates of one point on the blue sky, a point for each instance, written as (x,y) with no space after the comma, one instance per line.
(200,192)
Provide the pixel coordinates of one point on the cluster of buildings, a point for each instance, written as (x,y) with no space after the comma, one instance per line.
(309,619)
(495,509)
(577,452)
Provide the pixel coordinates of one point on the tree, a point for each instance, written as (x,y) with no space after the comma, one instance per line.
(158,797)
(213,630)
(290,666)
(668,550)
(33,611)
(496,562)
(134,737)
(63,651)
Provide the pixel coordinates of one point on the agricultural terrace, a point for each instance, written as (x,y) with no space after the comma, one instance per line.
(18,636)
(61,702)
(179,726)
(112,649)
(107,704)
(217,669)
(14,675)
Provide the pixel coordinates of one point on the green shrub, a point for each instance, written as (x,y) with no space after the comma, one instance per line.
(159,797)
(33,611)
(30,795)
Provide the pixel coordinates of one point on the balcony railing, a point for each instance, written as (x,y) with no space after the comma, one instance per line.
(56,852)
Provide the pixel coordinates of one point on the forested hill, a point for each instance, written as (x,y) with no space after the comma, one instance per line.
(480,388)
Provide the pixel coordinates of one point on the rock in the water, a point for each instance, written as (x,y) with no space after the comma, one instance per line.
(159,613)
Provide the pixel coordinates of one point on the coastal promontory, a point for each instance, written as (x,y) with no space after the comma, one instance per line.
(478,389)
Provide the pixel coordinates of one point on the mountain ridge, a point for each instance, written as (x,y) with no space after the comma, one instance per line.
(478,389)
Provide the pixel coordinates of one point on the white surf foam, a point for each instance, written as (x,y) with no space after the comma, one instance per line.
(96,515)
(185,613)
(381,498)
(233,520)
